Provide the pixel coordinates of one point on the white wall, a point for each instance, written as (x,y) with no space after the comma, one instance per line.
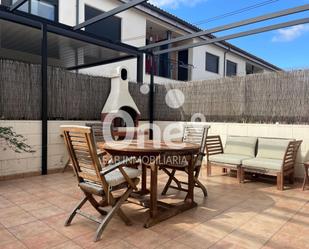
(198,59)
(12,163)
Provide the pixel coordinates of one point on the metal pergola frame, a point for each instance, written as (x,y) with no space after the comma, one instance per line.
(119,9)
(46,26)
(235,35)
(229,26)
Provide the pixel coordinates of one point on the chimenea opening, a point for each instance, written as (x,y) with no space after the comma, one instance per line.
(119,122)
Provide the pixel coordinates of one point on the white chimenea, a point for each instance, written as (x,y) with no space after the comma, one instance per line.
(118,100)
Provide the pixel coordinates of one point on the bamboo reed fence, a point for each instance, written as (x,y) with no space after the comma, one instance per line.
(263,98)
(71,96)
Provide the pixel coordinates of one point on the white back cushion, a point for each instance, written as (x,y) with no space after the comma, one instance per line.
(240,145)
(272,148)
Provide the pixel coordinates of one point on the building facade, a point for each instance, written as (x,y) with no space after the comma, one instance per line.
(147,24)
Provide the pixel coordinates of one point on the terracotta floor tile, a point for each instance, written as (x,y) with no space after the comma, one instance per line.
(29,229)
(46,212)
(6,237)
(11,211)
(120,245)
(223,244)
(246,239)
(14,245)
(250,215)
(45,240)
(204,235)
(147,239)
(86,241)
(18,219)
(173,244)
(176,226)
(79,226)
(34,205)
(67,245)
(22,197)
(4,203)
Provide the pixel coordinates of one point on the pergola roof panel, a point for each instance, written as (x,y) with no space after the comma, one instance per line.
(66,48)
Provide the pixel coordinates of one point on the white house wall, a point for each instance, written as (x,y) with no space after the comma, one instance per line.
(198,60)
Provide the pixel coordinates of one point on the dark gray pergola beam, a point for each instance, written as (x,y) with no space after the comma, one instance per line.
(100,63)
(112,12)
(236,35)
(17,4)
(230,26)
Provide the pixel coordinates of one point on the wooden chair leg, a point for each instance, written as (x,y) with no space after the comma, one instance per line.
(304,184)
(169,181)
(125,218)
(280,181)
(73,213)
(208,169)
(306,179)
(291,178)
(239,174)
(95,204)
(66,165)
(201,186)
(111,213)
(242,174)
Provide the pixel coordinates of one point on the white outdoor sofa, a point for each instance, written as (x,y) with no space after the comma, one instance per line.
(269,156)
(275,157)
(235,151)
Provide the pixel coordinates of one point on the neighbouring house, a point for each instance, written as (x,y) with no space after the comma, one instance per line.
(146,24)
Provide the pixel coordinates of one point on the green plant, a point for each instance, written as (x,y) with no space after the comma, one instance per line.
(14,141)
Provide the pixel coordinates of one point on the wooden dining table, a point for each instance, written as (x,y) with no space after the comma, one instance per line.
(151,149)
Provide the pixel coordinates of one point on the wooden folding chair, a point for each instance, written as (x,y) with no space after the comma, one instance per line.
(93,179)
(196,135)
(97,129)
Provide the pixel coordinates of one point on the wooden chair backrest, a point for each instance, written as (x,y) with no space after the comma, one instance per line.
(97,129)
(214,145)
(82,151)
(197,135)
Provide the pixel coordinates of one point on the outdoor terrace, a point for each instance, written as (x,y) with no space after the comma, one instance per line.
(250,215)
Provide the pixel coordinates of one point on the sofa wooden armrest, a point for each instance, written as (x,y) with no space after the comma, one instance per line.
(213,145)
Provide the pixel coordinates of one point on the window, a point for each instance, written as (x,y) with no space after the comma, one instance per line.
(109,28)
(44,8)
(231,68)
(212,63)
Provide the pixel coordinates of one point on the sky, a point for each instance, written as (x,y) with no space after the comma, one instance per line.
(286,48)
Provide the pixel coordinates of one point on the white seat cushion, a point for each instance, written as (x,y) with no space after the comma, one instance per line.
(115,177)
(263,164)
(240,145)
(272,148)
(228,158)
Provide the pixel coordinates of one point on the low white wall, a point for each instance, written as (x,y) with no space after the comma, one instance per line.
(299,132)
(12,163)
